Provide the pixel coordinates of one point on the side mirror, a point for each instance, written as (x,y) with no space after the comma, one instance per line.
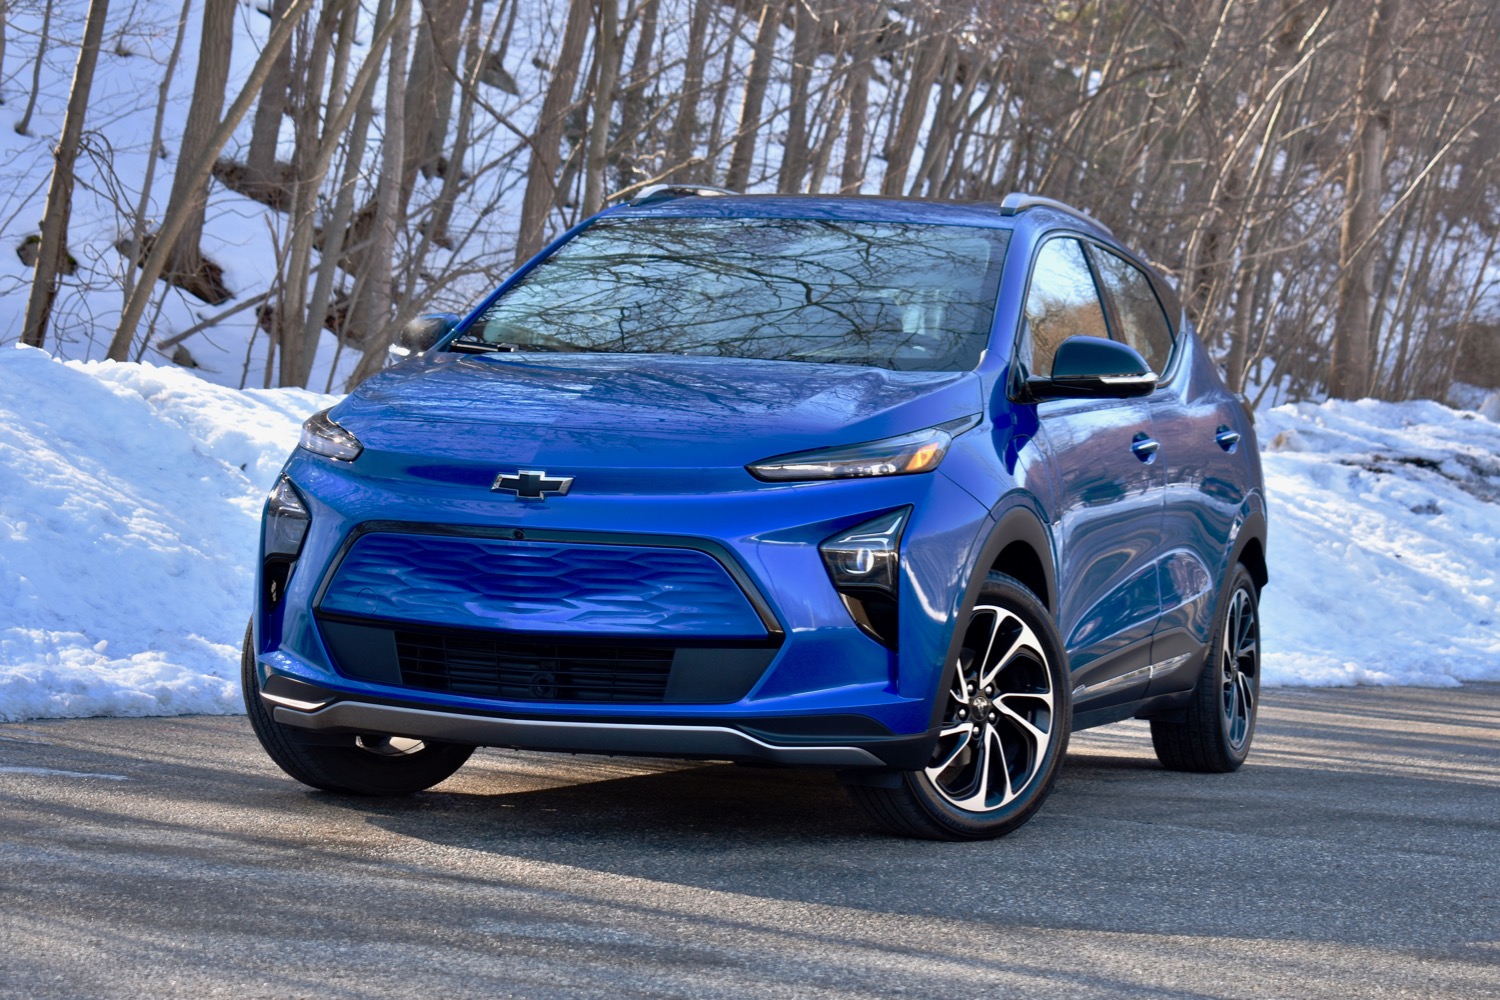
(417,335)
(1094,368)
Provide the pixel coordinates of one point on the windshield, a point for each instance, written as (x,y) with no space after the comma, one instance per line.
(903,296)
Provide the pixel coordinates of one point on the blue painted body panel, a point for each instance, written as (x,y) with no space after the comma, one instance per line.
(658,445)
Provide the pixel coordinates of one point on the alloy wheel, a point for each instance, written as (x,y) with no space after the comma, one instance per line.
(1239,670)
(999,718)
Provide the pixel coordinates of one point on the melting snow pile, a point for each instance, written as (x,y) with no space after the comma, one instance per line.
(1385,544)
(129,500)
(129,503)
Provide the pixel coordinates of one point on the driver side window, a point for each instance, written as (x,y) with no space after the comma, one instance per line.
(1062,302)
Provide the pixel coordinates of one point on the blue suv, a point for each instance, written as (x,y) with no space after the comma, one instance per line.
(905,489)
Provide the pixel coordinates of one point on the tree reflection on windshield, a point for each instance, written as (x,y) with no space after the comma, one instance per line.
(891,295)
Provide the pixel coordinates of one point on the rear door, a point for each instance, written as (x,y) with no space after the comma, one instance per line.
(1107,511)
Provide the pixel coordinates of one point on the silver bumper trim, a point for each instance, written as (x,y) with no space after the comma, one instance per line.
(712,742)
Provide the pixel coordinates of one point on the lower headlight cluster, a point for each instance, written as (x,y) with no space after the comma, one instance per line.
(282,531)
(864,564)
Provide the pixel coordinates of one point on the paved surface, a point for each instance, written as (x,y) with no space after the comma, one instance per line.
(1357,854)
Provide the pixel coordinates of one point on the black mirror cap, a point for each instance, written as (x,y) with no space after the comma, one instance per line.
(418,335)
(1092,367)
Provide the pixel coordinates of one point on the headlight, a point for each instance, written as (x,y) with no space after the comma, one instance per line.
(322,436)
(904,454)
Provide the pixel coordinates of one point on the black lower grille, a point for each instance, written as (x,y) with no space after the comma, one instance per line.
(502,667)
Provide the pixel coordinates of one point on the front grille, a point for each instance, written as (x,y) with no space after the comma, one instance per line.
(503,667)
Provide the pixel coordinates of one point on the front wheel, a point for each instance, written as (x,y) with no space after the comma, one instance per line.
(1215,732)
(367,764)
(1004,733)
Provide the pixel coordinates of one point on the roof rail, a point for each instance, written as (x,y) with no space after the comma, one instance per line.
(665,192)
(1016,202)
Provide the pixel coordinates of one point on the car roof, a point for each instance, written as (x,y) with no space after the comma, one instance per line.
(856,208)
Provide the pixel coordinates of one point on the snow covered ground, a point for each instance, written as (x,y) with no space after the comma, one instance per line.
(129,499)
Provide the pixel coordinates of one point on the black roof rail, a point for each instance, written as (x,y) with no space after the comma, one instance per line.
(664,192)
(1017,202)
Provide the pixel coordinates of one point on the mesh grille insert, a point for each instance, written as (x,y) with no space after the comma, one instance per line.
(517,670)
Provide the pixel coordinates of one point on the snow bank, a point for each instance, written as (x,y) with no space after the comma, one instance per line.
(129,502)
(129,499)
(1385,560)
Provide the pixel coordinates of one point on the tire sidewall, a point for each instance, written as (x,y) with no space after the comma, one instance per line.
(1239,580)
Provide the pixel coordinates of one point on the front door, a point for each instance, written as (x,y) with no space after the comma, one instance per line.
(1107,509)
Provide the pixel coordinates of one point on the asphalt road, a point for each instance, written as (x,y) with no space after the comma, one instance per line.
(1357,854)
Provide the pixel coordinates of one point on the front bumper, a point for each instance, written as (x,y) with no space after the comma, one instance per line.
(821,691)
(323,712)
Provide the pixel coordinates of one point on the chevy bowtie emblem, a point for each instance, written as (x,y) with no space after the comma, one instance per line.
(530,484)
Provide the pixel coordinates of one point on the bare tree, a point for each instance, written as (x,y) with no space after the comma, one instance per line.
(1350,371)
(759,78)
(541,173)
(173,222)
(265,132)
(53,249)
(23,127)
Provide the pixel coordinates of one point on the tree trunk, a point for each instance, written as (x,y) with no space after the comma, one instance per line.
(607,57)
(904,142)
(138,223)
(448,29)
(53,250)
(738,177)
(541,172)
(442,209)
(172,222)
(852,174)
(362,98)
(370,313)
(297,355)
(189,193)
(433,55)
(265,130)
(804,52)
(1349,373)
(23,127)
(685,127)
(633,100)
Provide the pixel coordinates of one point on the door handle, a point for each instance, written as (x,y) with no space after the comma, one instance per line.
(1144,447)
(1227,439)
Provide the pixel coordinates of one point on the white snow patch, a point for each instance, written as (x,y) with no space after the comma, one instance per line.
(129,503)
(1385,544)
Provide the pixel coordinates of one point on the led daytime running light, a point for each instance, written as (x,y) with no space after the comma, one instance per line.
(902,455)
(321,436)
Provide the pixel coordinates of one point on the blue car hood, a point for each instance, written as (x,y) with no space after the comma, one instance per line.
(638,411)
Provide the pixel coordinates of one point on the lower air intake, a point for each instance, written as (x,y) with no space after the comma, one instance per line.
(501,667)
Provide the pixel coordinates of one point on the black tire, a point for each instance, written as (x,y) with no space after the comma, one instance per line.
(1008,696)
(1214,735)
(368,764)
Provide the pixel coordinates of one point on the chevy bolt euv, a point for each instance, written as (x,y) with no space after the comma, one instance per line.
(904,489)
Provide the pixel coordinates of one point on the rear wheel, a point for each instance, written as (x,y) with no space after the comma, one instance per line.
(367,764)
(1004,731)
(1215,734)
